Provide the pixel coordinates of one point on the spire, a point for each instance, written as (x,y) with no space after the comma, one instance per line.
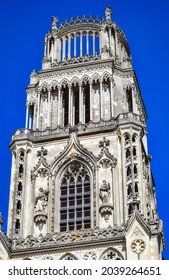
(108,13)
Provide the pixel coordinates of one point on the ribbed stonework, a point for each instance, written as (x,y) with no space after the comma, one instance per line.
(81,184)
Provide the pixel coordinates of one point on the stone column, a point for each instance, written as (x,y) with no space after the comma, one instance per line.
(63,51)
(133,101)
(52,50)
(109,38)
(30,121)
(74,44)
(81,47)
(80,104)
(113,192)
(99,43)
(87,42)
(49,108)
(70,106)
(94,44)
(111,98)
(58,122)
(48,48)
(38,112)
(59,49)
(45,49)
(116,48)
(101,99)
(83,107)
(27,113)
(34,116)
(91,102)
(61,108)
(69,46)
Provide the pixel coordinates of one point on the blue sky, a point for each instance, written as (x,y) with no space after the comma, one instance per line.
(23,25)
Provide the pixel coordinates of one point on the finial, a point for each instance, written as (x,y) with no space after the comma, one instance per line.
(108,13)
(54,22)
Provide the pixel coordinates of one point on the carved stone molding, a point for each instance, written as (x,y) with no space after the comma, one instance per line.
(90,256)
(105,163)
(59,238)
(138,246)
(40,219)
(111,255)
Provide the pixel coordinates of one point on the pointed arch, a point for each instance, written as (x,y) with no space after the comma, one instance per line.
(85,79)
(31,101)
(128,88)
(111,254)
(44,86)
(74,81)
(106,75)
(73,150)
(95,77)
(64,83)
(66,181)
(54,84)
(68,256)
(75,210)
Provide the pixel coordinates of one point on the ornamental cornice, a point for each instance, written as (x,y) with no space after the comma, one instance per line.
(75,69)
(55,249)
(77,29)
(124,73)
(73,238)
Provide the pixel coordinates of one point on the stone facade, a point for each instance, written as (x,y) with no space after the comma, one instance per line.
(81,184)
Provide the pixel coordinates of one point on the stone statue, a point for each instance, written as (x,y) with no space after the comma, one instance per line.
(54,22)
(41,200)
(108,12)
(105,192)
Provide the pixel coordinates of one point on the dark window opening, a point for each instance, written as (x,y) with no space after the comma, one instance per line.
(17,226)
(21,156)
(130,209)
(87,102)
(128,170)
(66,105)
(127,153)
(21,168)
(20,187)
(134,151)
(130,191)
(18,205)
(136,187)
(134,138)
(129,99)
(135,169)
(76,103)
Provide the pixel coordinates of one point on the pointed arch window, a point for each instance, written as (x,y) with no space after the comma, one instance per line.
(17,226)
(129,99)
(75,200)
(65,93)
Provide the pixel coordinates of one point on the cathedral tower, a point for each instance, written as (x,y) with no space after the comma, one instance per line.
(81,184)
